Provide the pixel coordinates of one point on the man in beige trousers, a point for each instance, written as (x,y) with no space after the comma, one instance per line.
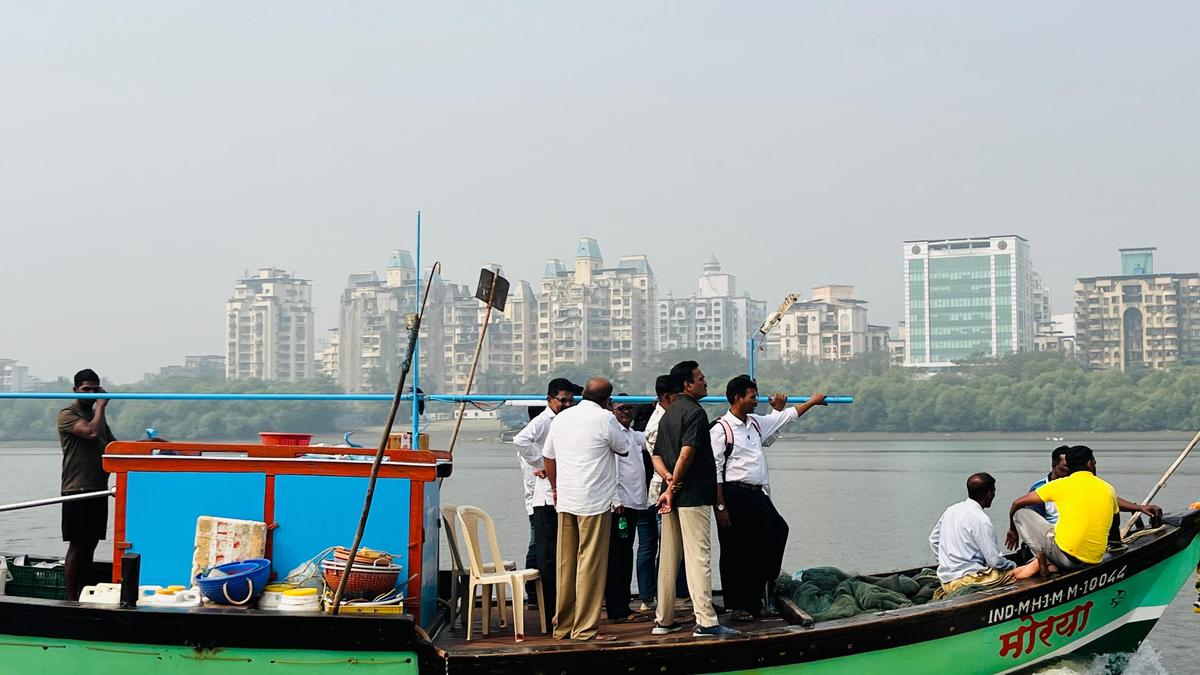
(580,461)
(684,448)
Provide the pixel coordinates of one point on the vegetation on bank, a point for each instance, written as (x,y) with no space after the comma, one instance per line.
(1022,392)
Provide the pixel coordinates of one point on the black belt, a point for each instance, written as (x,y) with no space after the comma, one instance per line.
(745,486)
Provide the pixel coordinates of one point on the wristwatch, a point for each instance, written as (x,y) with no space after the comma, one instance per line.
(720,507)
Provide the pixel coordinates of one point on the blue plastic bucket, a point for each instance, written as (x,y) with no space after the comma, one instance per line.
(240,583)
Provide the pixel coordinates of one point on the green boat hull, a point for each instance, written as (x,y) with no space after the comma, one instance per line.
(1108,609)
(24,656)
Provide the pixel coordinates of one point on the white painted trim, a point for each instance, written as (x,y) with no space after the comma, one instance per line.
(1152,613)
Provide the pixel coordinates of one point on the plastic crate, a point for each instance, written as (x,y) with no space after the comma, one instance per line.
(37,582)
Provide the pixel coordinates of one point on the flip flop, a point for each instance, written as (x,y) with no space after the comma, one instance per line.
(741,616)
(632,618)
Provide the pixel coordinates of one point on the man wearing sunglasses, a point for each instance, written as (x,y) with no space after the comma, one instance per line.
(83,432)
(630,508)
(539,502)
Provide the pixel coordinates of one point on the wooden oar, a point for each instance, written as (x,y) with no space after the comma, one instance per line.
(1161,482)
(413,332)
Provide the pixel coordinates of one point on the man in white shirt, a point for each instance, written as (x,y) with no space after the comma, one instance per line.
(578,457)
(539,502)
(753,535)
(630,508)
(964,543)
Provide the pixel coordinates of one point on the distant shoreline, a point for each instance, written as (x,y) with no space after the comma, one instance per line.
(471,430)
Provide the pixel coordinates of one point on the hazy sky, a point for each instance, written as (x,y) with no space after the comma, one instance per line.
(151,151)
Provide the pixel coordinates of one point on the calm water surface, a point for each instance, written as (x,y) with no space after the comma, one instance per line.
(864,505)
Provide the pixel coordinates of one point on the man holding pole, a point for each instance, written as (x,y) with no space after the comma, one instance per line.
(83,432)
(746,518)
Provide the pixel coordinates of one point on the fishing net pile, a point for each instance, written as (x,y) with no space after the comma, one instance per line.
(827,593)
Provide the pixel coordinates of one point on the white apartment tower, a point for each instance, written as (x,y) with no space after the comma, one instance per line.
(715,317)
(269,328)
(373,333)
(509,352)
(594,313)
(831,326)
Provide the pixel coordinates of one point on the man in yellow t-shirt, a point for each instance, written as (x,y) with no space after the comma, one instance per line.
(1088,516)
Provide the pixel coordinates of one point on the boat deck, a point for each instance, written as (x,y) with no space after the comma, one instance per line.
(500,639)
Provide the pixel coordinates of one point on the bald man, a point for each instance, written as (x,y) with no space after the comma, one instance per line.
(580,460)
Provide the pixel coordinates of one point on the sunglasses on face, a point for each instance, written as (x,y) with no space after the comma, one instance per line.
(89,390)
(565,400)
(623,409)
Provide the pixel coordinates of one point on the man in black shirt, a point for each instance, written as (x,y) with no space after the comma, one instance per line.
(83,432)
(685,448)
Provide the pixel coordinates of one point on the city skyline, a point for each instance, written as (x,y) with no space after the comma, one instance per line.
(214,344)
(797,142)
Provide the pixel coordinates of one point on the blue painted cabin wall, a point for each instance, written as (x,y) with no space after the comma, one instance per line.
(161,513)
(316,512)
(313,513)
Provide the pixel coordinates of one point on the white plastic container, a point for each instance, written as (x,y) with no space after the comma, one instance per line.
(171,596)
(273,595)
(101,594)
(300,601)
(5,575)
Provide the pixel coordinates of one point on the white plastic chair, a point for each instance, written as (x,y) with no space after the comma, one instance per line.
(458,570)
(469,518)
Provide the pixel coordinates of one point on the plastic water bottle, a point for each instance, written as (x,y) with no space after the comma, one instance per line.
(623,526)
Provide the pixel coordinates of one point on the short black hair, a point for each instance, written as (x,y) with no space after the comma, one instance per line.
(1078,457)
(738,387)
(1056,453)
(979,484)
(86,375)
(684,371)
(665,384)
(562,384)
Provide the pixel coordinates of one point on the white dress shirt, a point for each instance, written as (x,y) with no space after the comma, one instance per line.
(582,442)
(964,542)
(652,436)
(529,442)
(748,464)
(631,473)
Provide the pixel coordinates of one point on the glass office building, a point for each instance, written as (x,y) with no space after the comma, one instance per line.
(967,298)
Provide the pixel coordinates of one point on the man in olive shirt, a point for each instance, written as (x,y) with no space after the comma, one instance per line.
(83,432)
(686,504)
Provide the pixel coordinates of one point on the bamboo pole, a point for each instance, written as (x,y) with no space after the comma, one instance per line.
(414,330)
(1161,482)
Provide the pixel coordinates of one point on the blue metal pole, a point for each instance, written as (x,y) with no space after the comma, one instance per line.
(750,357)
(416,367)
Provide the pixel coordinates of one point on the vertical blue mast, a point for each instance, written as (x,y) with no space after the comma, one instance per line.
(416,366)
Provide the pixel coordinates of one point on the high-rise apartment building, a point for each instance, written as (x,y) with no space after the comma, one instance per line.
(715,317)
(595,313)
(831,326)
(12,376)
(373,330)
(1138,319)
(509,352)
(269,327)
(967,298)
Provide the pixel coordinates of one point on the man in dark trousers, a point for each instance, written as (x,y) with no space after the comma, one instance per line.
(83,432)
(685,449)
(752,533)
